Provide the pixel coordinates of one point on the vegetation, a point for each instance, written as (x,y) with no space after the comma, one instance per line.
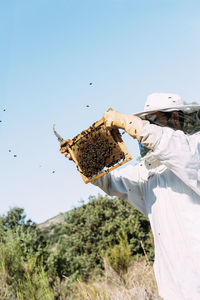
(138,283)
(56,261)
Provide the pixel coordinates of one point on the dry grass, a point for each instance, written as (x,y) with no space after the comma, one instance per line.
(137,284)
(4,289)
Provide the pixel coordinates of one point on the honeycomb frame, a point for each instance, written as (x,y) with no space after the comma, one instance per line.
(114,138)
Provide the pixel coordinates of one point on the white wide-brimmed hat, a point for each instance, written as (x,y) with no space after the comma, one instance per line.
(166,103)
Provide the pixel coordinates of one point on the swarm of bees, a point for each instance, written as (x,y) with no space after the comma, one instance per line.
(98,149)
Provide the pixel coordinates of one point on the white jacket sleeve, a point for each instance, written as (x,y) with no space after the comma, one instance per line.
(179,152)
(123,183)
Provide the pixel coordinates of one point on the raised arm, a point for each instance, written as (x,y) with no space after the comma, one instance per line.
(179,152)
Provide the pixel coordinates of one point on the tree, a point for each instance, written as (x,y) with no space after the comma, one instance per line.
(15,217)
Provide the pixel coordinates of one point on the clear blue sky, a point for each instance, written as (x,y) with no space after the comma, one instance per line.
(49,53)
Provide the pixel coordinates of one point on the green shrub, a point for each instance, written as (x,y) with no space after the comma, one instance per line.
(34,285)
(22,250)
(119,255)
(92,228)
(31,259)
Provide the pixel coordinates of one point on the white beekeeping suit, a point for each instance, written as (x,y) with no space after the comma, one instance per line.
(165,186)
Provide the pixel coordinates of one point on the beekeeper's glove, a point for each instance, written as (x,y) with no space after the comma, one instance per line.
(131,124)
(64,149)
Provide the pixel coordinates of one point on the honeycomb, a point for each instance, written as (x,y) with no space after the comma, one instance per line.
(97,151)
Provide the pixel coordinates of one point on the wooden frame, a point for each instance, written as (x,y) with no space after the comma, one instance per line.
(113,136)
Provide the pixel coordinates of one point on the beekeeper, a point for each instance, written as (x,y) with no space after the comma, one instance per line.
(164,186)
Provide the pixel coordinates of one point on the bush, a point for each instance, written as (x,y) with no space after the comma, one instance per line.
(119,256)
(22,250)
(34,285)
(90,229)
(31,262)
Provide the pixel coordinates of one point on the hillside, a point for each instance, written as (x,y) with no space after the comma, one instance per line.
(52,221)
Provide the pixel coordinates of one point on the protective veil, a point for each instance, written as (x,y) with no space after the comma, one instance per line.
(165,186)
